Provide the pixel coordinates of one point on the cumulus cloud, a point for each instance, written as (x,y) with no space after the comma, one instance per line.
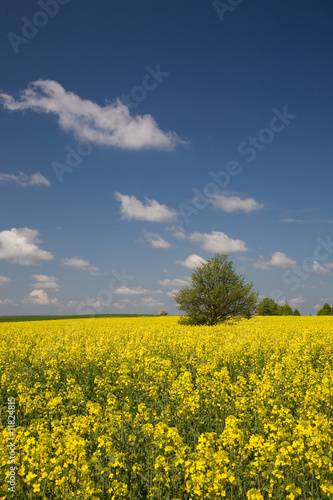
(279,259)
(172,293)
(19,245)
(125,290)
(177,232)
(218,242)
(155,240)
(317,268)
(175,282)
(24,180)
(150,302)
(88,306)
(233,203)
(83,265)
(40,298)
(44,281)
(8,302)
(111,125)
(152,211)
(192,261)
(4,280)
(297,301)
(329,265)
(121,304)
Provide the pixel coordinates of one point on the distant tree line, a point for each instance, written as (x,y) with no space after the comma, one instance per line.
(268,307)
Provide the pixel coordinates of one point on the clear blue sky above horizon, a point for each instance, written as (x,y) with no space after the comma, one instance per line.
(140,138)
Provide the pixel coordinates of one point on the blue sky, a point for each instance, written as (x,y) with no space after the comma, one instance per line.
(140,138)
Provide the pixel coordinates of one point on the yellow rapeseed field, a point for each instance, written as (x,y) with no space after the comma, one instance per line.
(144,408)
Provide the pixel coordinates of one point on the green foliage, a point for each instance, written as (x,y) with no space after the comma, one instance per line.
(286,310)
(268,307)
(326,310)
(216,294)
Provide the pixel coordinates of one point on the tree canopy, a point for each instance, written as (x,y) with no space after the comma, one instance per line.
(216,294)
(268,307)
(326,310)
(286,310)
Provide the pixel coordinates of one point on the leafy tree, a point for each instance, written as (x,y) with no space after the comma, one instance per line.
(280,310)
(163,312)
(286,310)
(268,307)
(326,310)
(297,313)
(216,294)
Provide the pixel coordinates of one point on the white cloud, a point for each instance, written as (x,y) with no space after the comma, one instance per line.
(317,268)
(111,125)
(8,302)
(83,265)
(232,203)
(177,232)
(4,280)
(44,281)
(98,306)
(175,282)
(132,208)
(172,293)
(281,302)
(24,180)
(329,265)
(156,241)
(150,302)
(297,301)
(218,242)
(73,303)
(91,303)
(261,264)
(40,297)
(192,261)
(279,259)
(19,245)
(121,304)
(125,290)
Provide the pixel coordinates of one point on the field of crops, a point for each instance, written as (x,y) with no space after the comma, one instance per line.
(144,408)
